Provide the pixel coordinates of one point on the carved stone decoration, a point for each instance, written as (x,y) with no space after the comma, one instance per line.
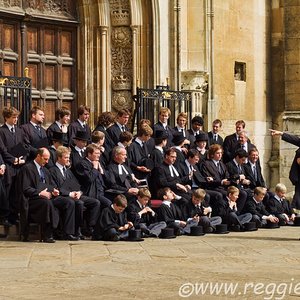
(121,54)
(65,9)
(121,100)
(121,82)
(119,13)
(121,37)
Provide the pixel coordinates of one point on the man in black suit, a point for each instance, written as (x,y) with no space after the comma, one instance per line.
(162,124)
(231,141)
(215,171)
(181,127)
(255,206)
(62,119)
(69,187)
(214,135)
(139,154)
(40,199)
(92,176)
(83,115)
(197,180)
(196,127)
(167,175)
(120,176)
(34,134)
(14,154)
(253,170)
(295,168)
(120,125)
(78,149)
(57,139)
(244,142)
(237,176)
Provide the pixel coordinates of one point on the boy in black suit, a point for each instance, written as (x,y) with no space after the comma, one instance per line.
(142,216)
(255,206)
(14,153)
(281,208)
(83,115)
(198,207)
(112,224)
(62,119)
(214,135)
(172,214)
(119,126)
(230,213)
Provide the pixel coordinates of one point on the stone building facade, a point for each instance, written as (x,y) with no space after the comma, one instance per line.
(239,58)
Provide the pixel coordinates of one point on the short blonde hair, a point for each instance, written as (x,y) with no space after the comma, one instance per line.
(280,187)
(144,192)
(163,110)
(199,194)
(232,189)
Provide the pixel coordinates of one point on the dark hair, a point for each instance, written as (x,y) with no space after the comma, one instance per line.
(34,110)
(91,148)
(81,109)
(241,153)
(192,153)
(9,112)
(61,112)
(162,192)
(125,136)
(121,201)
(123,112)
(106,118)
(213,149)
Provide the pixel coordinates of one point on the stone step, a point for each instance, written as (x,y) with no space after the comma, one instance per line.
(13,234)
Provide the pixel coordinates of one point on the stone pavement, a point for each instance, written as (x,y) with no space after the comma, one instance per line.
(266,260)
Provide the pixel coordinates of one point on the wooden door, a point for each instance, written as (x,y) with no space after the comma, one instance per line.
(47,46)
(51,57)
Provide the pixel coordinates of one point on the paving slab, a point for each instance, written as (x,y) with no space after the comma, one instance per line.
(250,265)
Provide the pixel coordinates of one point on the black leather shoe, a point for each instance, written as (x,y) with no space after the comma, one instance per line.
(49,240)
(70,237)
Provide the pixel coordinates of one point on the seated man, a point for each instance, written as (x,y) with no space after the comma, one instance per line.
(255,206)
(198,207)
(92,176)
(171,214)
(112,224)
(69,187)
(280,207)
(120,177)
(43,199)
(167,175)
(196,180)
(142,216)
(230,213)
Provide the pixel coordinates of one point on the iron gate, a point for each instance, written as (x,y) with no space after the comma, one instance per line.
(149,101)
(16,92)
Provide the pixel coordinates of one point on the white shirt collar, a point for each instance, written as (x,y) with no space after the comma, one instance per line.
(167,202)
